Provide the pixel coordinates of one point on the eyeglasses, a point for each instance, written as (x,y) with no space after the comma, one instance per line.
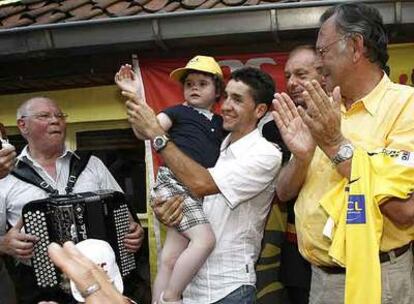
(321,51)
(46,116)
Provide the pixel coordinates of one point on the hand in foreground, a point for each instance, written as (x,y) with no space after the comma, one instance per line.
(18,244)
(84,273)
(133,240)
(294,131)
(7,160)
(169,212)
(323,116)
(141,117)
(127,80)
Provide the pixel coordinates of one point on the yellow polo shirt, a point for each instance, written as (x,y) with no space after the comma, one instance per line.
(382,119)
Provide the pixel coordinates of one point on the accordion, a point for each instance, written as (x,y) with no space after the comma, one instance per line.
(99,215)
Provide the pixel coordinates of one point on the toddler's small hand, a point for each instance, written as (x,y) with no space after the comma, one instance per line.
(127,80)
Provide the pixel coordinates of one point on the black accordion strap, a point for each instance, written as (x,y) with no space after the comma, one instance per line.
(78,162)
(26,173)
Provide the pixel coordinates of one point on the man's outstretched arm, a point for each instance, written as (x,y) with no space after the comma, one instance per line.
(189,172)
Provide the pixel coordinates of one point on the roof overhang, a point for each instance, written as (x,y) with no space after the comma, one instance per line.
(166,31)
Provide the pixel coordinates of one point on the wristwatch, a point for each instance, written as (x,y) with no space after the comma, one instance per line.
(344,153)
(159,142)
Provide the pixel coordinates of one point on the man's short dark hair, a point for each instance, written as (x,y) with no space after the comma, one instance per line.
(359,18)
(261,85)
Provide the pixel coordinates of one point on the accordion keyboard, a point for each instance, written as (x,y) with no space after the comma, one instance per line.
(44,269)
(122,227)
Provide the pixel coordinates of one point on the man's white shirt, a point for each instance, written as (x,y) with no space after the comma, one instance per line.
(15,193)
(245,174)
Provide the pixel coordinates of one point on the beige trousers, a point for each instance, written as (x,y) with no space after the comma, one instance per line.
(397,279)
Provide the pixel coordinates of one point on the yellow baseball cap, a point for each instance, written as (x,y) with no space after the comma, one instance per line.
(200,63)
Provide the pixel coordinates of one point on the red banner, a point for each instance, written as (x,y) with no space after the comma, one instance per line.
(161,91)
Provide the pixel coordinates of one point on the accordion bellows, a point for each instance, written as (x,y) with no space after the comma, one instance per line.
(90,215)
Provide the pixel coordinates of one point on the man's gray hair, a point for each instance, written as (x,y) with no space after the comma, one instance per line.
(359,18)
(23,109)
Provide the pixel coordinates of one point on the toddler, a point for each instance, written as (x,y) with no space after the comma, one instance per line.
(198,132)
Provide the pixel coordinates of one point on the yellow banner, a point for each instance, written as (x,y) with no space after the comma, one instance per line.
(401,63)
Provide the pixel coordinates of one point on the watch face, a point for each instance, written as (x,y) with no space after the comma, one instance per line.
(158,142)
(346,151)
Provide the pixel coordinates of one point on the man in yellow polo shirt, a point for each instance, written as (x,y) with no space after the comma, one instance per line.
(368,111)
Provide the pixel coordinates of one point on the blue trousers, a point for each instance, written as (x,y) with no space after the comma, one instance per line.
(245,294)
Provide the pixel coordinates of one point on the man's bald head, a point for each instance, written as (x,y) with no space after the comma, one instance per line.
(27,107)
(302,65)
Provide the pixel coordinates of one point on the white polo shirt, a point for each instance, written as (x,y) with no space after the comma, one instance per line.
(15,193)
(245,173)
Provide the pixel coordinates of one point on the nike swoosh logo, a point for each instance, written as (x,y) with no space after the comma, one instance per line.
(353,181)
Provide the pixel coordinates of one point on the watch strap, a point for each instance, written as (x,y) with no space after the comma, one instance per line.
(337,159)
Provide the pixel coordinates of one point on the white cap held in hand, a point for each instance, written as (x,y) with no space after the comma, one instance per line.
(102,254)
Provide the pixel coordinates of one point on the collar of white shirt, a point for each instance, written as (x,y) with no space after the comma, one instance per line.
(25,156)
(237,148)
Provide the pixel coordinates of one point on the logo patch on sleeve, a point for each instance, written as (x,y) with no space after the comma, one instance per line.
(406,159)
(356,209)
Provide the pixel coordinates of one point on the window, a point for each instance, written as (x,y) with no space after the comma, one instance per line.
(124,156)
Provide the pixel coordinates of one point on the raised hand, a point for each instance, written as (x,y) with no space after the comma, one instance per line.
(84,273)
(294,131)
(127,80)
(7,153)
(7,160)
(323,116)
